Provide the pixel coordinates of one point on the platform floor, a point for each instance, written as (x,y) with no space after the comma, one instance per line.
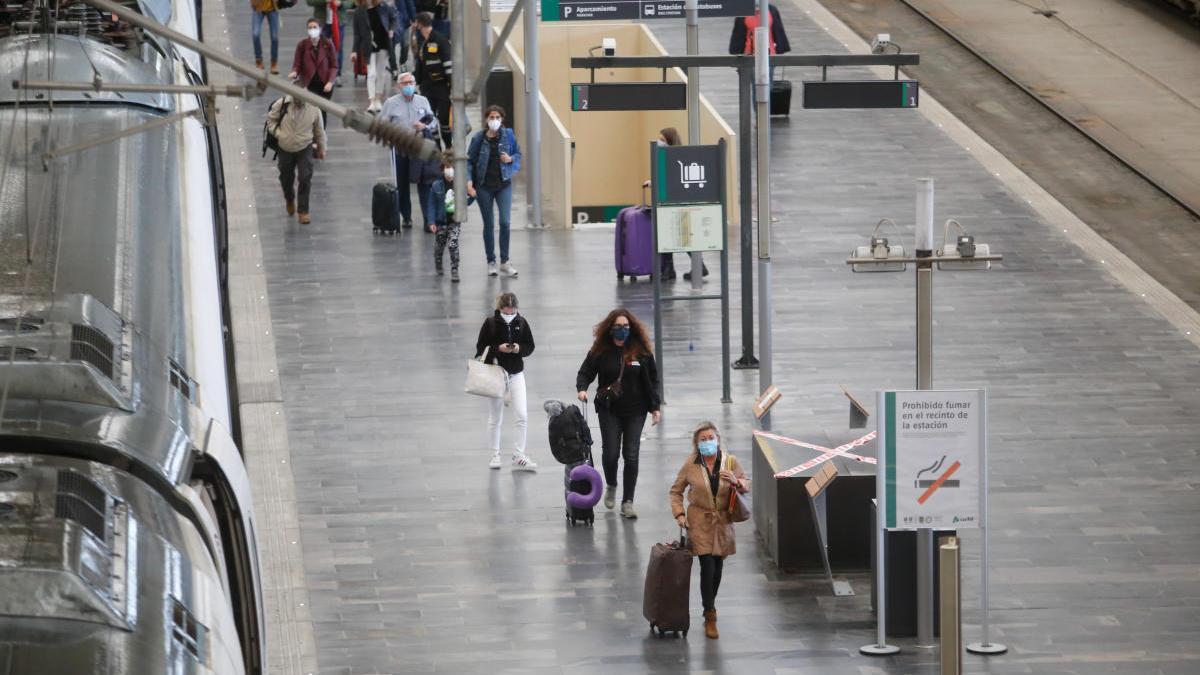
(417,558)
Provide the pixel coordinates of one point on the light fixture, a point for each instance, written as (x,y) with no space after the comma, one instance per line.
(962,253)
(880,251)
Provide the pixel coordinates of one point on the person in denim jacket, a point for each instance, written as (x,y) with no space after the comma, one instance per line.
(448,227)
(493,158)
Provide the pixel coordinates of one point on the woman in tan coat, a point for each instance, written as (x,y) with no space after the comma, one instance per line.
(708,476)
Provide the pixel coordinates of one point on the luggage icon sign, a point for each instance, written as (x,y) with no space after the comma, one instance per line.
(691,174)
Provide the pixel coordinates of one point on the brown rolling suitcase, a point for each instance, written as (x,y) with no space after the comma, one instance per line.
(668,587)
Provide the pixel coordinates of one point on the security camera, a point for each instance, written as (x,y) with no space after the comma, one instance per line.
(881,41)
(609,45)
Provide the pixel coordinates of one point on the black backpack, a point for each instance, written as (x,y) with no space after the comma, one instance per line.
(570,438)
(270,140)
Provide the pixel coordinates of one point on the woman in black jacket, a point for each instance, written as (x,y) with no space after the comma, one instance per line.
(627,390)
(509,341)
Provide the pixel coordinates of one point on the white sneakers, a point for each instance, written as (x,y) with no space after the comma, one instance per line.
(374,107)
(610,496)
(520,461)
(627,510)
(506,269)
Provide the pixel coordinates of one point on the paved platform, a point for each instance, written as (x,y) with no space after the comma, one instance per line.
(417,558)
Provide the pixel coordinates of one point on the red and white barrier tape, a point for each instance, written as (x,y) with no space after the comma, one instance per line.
(828,453)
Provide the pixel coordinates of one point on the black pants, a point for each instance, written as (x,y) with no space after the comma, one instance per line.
(621,436)
(316,86)
(710,579)
(291,163)
(439,99)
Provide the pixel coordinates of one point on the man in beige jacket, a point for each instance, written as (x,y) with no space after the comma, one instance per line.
(301,135)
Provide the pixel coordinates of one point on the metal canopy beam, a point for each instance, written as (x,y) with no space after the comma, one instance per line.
(745,61)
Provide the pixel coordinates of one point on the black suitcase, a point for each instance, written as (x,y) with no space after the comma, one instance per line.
(668,587)
(781,98)
(385,218)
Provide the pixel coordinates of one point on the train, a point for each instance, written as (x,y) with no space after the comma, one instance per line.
(127,529)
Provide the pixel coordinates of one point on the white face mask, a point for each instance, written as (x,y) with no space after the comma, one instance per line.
(449,173)
(494,124)
(508,318)
(314,33)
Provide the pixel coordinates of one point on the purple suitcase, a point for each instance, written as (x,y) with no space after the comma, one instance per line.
(634,249)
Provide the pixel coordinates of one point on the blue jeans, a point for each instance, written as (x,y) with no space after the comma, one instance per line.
(256,34)
(503,199)
(424,193)
(327,31)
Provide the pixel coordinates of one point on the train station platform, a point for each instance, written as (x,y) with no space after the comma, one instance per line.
(390,547)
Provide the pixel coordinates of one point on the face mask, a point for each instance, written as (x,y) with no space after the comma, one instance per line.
(449,173)
(314,33)
(494,124)
(620,333)
(707,448)
(661,143)
(408,90)
(508,318)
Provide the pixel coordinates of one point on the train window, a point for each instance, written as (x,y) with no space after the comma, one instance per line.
(182,381)
(187,632)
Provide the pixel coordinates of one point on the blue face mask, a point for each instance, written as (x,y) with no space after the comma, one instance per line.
(620,333)
(408,90)
(707,448)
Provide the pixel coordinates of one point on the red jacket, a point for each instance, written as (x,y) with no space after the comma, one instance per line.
(319,61)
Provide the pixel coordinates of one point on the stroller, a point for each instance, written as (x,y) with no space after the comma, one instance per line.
(571,445)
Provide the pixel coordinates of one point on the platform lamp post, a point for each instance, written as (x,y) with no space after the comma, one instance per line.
(963,254)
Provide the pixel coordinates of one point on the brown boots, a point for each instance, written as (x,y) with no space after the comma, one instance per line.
(710,624)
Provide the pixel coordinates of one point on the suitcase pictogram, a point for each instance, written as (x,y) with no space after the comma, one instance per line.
(691,174)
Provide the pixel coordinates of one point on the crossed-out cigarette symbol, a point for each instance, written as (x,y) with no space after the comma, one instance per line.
(931,485)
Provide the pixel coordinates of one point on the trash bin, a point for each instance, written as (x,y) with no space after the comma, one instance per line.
(499,91)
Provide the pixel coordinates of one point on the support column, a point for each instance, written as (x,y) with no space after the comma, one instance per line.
(693,112)
(533,118)
(924,253)
(746,214)
(763,90)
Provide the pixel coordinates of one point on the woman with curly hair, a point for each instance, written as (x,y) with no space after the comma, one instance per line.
(627,390)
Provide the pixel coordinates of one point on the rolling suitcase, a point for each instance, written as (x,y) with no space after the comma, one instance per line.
(781,98)
(385,218)
(634,245)
(668,587)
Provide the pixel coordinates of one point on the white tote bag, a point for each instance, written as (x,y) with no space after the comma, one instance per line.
(485,379)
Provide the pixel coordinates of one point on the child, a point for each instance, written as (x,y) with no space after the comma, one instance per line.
(448,226)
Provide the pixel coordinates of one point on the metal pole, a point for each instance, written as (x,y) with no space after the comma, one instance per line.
(656,278)
(402,139)
(693,110)
(951,586)
(485,44)
(746,213)
(458,81)
(726,396)
(986,647)
(924,254)
(763,90)
(881,647)
(533,121)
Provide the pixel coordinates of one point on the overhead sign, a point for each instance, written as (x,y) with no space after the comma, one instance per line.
(931,451)
(839,94)
(688,174)
(607,96)
(608,10)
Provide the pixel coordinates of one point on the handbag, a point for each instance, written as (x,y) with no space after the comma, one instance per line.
(606,396)
(485,379)
(739,508)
